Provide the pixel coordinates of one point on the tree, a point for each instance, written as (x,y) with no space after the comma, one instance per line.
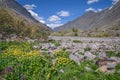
(75,31)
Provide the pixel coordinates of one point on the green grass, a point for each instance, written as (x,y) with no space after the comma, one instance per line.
(113,53)
(87,49)
(56,43)
(10,23)
(19,61)
(77,41)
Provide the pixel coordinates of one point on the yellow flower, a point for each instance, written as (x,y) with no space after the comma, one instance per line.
(48,76)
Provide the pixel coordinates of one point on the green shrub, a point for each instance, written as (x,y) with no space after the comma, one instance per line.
(77,41)
(87,49)
(10,24)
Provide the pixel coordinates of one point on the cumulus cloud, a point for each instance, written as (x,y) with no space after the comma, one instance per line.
(63,13)
(54,25)
(30,9)
(54,21)
(54,18)
(99,10)
(114,1)
(90,9)
(36,16)
(92,1)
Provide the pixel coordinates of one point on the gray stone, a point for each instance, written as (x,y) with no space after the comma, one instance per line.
(117,59)
(76,57)
(89,56)
(111,65)
(102,68)
(102,55)
(101,62)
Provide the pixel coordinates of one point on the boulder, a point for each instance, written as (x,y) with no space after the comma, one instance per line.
(76,57)
(101,62)
(102,55)
(117,59)
(102,68)
(111,64)
(89,56)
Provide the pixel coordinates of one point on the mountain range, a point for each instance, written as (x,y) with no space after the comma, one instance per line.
(20,17)
(103,20)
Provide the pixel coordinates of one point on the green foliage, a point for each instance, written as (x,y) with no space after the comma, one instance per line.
(75,34)
(56,43)
(113,53)
(75,31)
(61,53)
(10,24)
(87,49)
(21,62)
(77,41)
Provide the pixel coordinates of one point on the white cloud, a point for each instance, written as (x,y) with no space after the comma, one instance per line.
(99,10)
(54,25)
(92,1)
(30,9)
(90,9)
(114,1)
(36,16)
(63,13)
(54,21)
(54,18)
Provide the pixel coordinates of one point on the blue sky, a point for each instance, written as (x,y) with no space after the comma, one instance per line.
(58,12)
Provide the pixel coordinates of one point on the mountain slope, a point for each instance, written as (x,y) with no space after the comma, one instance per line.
(20,21)
(104,19)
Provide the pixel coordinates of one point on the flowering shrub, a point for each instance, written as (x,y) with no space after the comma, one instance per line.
(61,53)
(61,61)
(21,62)
(18,61)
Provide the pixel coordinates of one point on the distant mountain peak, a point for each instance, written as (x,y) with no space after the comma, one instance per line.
(20,14)
(105,18)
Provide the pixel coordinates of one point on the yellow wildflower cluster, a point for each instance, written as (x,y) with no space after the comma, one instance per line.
(63,61)
(20,54)
(57,52)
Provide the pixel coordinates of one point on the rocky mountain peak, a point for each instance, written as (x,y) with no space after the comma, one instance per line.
(104,19)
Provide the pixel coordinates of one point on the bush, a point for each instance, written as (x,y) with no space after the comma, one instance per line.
(77,41)
(20,61)
(87,49)
(10,24)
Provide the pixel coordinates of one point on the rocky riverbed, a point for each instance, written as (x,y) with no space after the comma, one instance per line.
(80,44)
(104,52)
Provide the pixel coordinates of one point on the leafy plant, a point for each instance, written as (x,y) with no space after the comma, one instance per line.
(87,49)
(77,41)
